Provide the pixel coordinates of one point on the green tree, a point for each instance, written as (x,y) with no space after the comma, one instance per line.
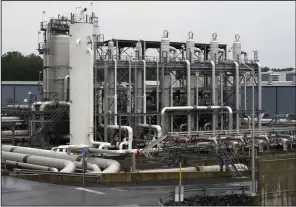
(17,67)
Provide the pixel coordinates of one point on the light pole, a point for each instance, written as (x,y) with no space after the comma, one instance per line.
(253,187)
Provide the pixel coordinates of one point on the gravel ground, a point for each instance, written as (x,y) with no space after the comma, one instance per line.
(227,200)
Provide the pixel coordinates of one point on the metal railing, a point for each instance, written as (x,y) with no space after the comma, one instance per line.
(280,198)
(205,191)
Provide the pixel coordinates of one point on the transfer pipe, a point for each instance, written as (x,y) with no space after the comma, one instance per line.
(221,99)
(129,131)
(197,50)
(66,165)
(193,108)
(236,95)
(213,94)
(144,90)
(245,56)
(185,169)
(196,99)
(8,118)
(110,166)
(157,128)
(188,96)
(16,133)
(66,83)
(175,51)
(259,94)
(33,106)
(30,166)
(18,106)
(222,51)
(245,92)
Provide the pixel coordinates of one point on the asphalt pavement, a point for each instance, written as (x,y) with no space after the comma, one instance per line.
(16,191)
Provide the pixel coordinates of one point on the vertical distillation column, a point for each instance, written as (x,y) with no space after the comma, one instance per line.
(81,84)
(236,54)
(214,52)
(165,79)
(190,53)
(110,90)
(60,54)
(139,83)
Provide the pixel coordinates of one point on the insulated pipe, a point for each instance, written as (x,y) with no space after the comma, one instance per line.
(47,81)
(17,106)
(188,95)
(157,86)
(221,99)
(92,167)
(115,92)
(185,169)
(30,166)
(66,165)
(245,56)
(213,94)
(16,132)
(192,108)
(66,83)
(123,143)
(222,51)
(33,106)
(175,51)
(110,166)
(157,128)
(236,95)
(197,50)
(171,99)
(129,131)
(259,94)
(245,92)
(5,118)
(196,100)
(144,90)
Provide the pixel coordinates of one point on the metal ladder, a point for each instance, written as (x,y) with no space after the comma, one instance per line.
(229,160)
(39,136)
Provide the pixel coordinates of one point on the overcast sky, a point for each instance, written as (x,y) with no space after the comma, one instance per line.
(268,27)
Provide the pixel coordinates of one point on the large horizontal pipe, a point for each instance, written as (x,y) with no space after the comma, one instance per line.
(18,106)
(10,118)
(110,166)
(16,133)
(196,108)
(129,131)
(157,128)
(30,166)
(66,165)
(185,169)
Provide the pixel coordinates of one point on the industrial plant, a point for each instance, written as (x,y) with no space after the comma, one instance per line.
(178,107)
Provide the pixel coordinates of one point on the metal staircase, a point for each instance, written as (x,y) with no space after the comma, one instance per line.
(40,137)
(229,160)
(145,151)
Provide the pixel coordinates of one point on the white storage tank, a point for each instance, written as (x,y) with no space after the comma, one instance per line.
(165,47)
(59,53)
(81,84)
(190,47)
(214,56)
(236,48)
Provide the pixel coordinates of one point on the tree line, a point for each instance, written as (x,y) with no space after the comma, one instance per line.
(17,67)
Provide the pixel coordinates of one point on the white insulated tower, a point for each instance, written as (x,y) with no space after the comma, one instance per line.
(81,83)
